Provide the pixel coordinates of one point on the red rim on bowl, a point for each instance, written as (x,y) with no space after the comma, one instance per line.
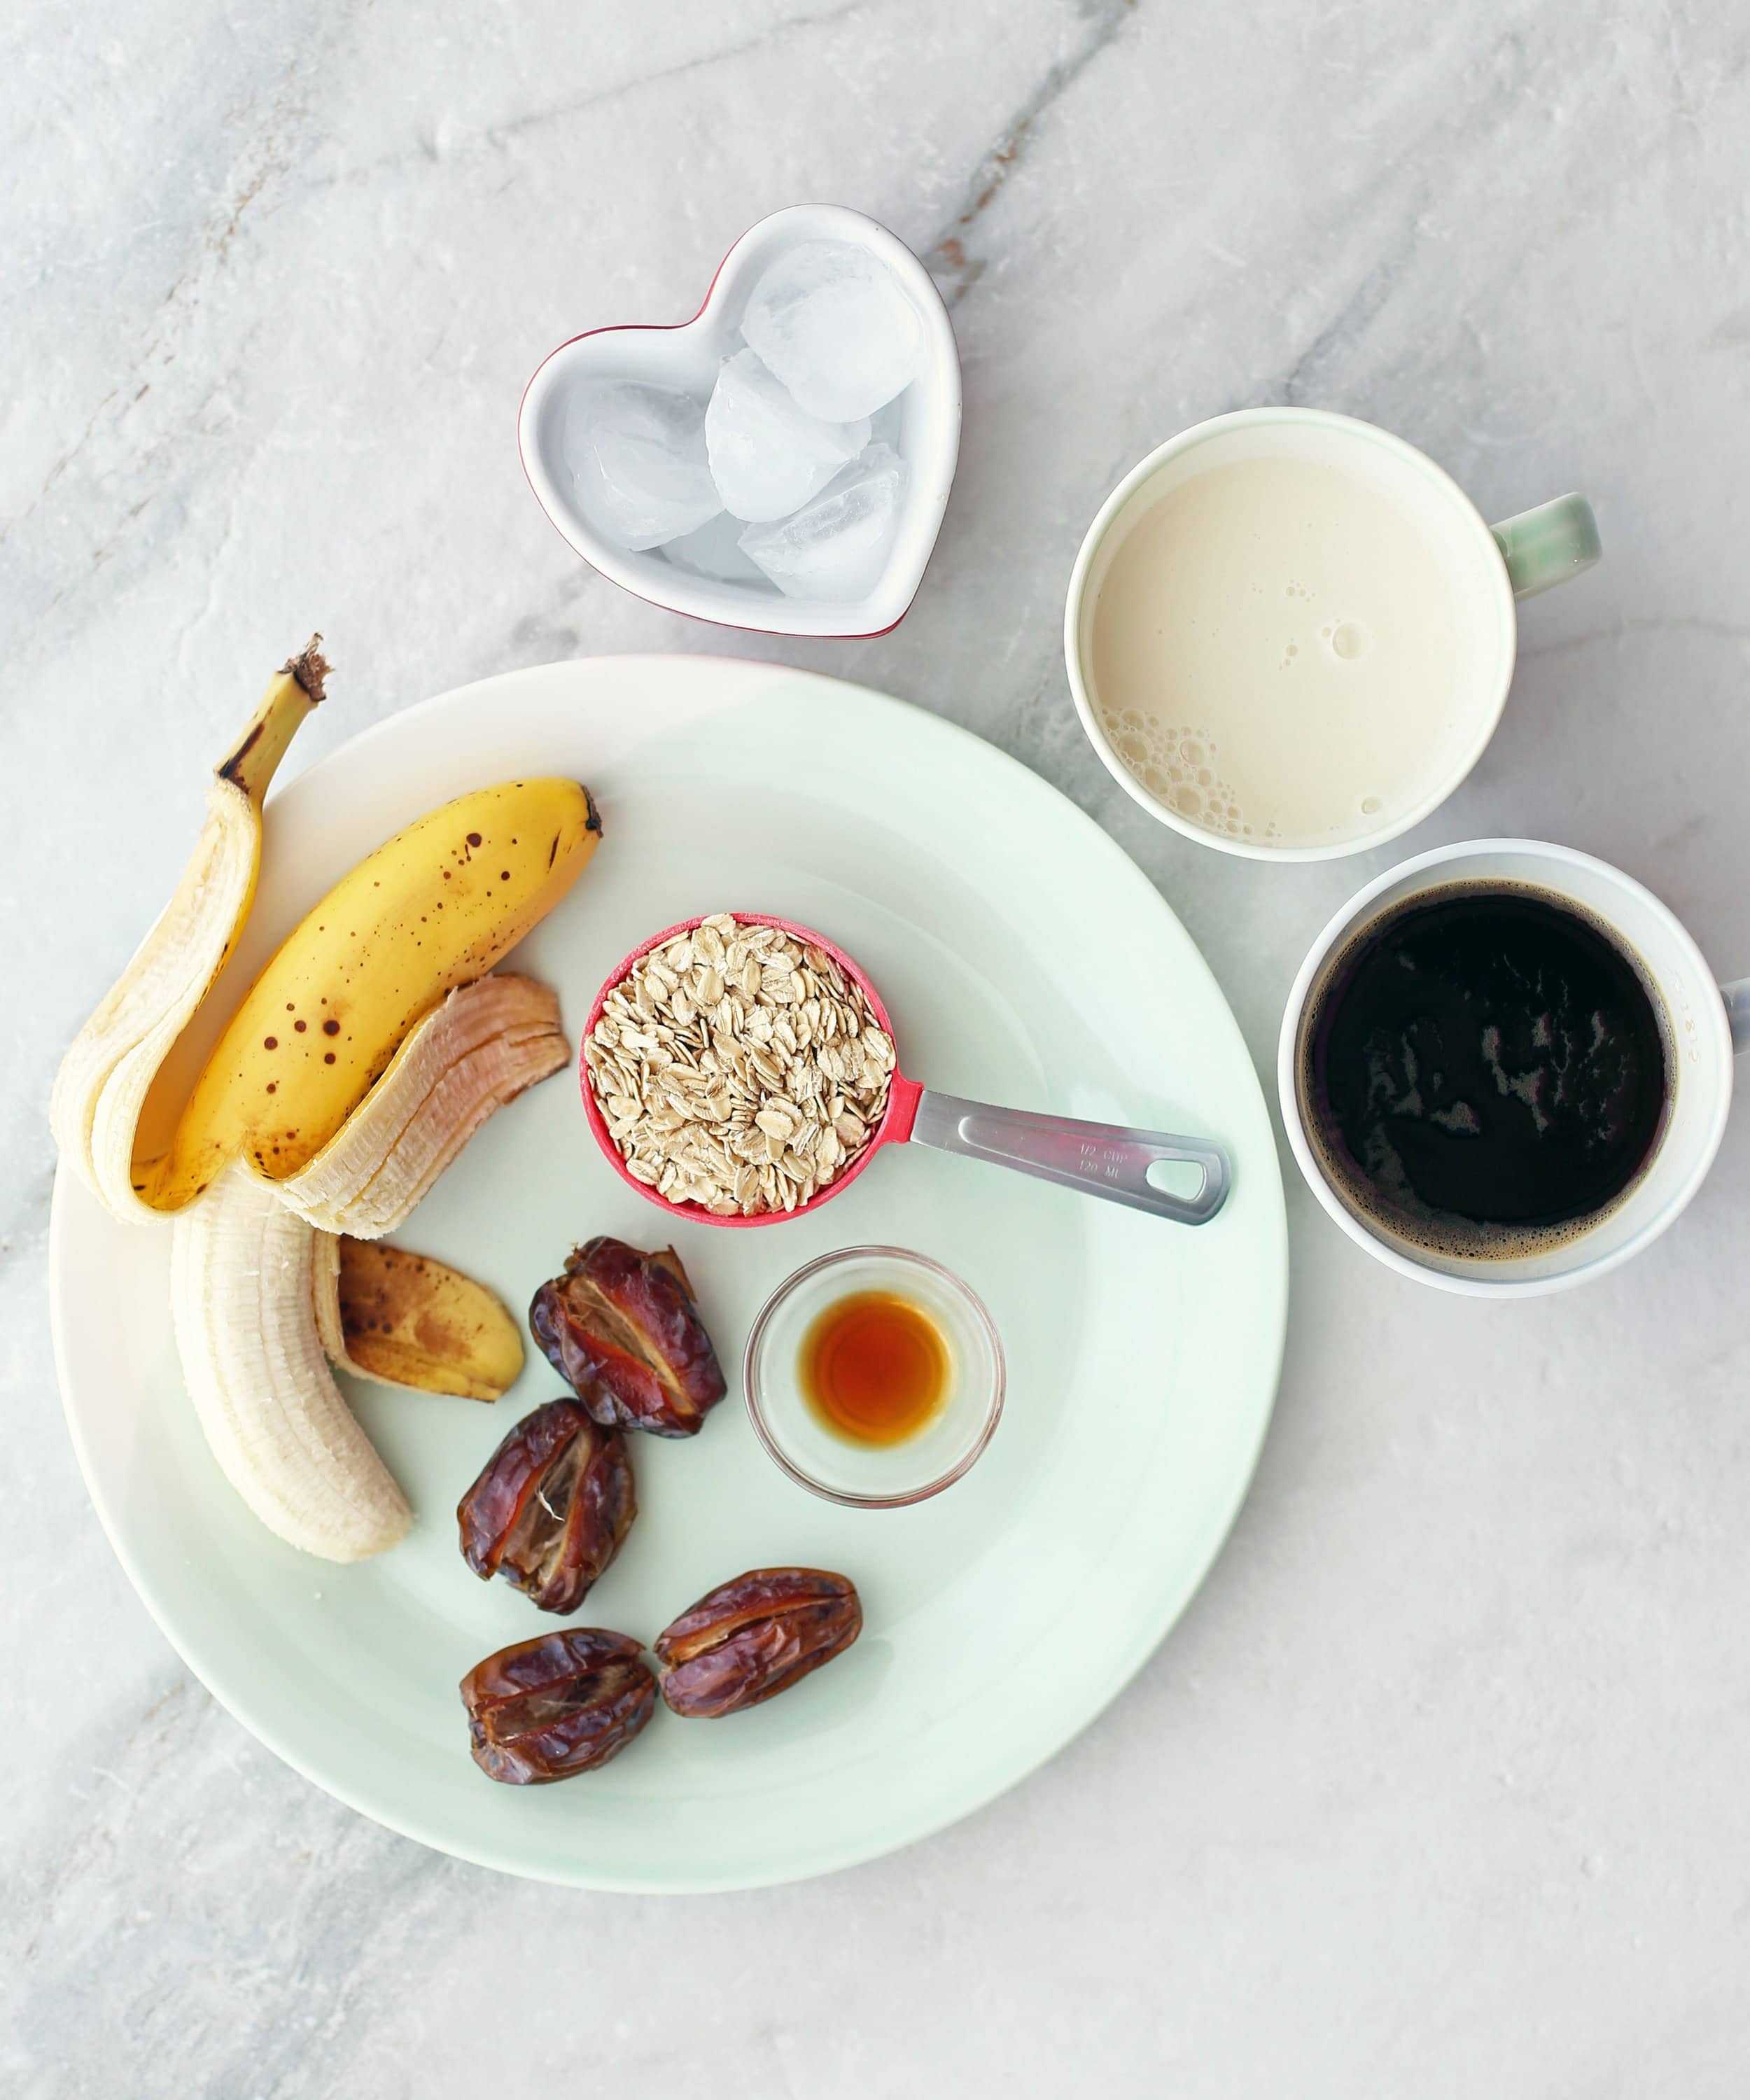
(897,1119)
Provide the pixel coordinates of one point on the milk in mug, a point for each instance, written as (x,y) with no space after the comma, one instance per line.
(1277,654)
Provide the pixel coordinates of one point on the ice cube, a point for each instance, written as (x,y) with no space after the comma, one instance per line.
(837,546)
(836,326)
(638,459)
(715,551)
(767,457)
(887,425)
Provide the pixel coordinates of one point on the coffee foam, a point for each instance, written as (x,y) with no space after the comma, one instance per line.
(1401,1220)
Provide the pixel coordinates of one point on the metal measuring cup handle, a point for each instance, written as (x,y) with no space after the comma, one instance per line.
(1098,1158)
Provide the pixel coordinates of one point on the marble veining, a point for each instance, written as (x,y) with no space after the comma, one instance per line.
(1439,1787)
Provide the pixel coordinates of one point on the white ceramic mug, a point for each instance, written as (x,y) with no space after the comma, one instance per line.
(1706,1024)
(1485,570)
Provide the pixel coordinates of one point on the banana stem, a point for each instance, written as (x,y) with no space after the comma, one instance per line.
(292,692)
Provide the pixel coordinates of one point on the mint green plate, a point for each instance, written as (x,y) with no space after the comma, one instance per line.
(1024,960)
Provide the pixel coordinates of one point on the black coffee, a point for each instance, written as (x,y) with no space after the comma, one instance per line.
(1484,1071)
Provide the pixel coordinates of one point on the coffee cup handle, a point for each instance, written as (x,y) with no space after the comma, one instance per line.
(1737,998)
(1545,547)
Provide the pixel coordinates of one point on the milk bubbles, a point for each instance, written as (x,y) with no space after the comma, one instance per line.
(1346,640)
(1180,767)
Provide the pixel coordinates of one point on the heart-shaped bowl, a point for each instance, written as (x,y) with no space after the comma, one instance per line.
(922,426)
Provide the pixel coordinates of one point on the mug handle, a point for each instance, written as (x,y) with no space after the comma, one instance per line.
(1545,546)
(1737,998)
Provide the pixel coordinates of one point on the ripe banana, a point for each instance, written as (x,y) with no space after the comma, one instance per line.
(243,1304)
(102,1085)
(401,1319)
(435,906)
(487,1041)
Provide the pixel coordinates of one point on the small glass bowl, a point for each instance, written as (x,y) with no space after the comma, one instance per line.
(874,1476)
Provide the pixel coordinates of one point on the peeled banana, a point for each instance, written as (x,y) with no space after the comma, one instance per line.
(401,1319)
(104,1077)
(367,1053)
(487,1041)
(243,1304)
(434,907)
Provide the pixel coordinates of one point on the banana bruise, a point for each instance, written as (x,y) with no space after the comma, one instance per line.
(101,1087)
(243,1307)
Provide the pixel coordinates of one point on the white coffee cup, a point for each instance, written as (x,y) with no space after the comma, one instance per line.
(1484,569)
(1706,1024)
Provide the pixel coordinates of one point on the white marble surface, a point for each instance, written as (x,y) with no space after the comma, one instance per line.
(1440,1785)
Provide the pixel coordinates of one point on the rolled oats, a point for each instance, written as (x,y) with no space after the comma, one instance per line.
(738,1070)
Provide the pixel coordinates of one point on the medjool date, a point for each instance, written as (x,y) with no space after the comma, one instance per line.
(754,1637)
(561,1703)
(550,1507)
(622,1329)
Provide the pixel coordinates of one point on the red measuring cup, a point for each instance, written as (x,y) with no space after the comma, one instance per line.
(1107,1160)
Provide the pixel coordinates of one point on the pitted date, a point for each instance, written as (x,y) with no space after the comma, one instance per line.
(550,1507)
(754,1637)
(621,1328)
(563,1703)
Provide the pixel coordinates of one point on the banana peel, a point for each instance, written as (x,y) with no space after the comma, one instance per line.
(433,908)
(270,1275)
(101,1088)
(403,1319)
(487,1043)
